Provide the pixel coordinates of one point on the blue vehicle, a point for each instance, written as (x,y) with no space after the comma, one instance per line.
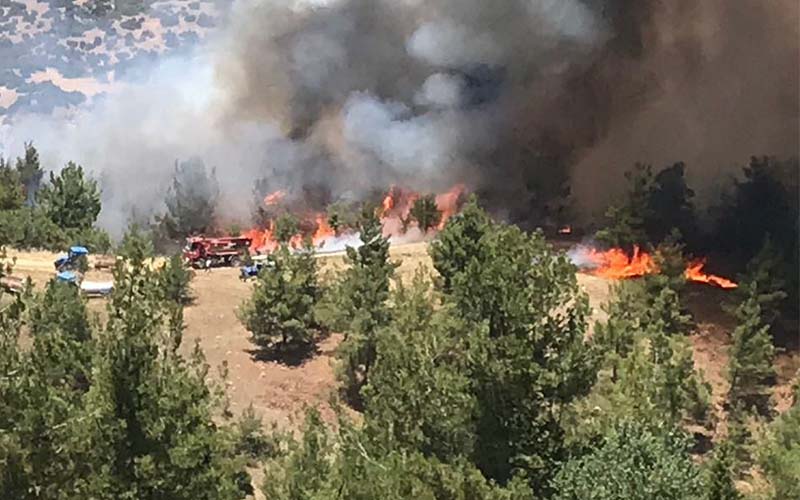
(70,261)
(259,262)
(67,277)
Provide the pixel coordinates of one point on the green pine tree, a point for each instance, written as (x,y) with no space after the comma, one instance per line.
(280,312)
(720,475)
(426,213)
(357,304)
(751,354)
(30,172)
(70,199)
(11,191)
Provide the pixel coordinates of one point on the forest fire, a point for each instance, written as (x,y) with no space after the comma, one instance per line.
(395,213)
(616,264)
(694,272)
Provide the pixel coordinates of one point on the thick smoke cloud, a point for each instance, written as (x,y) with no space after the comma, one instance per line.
(514,98)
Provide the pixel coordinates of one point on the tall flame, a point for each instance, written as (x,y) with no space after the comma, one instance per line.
(616,264)
(449,202)
(395,208)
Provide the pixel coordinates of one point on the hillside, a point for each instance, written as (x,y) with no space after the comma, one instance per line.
(279,392)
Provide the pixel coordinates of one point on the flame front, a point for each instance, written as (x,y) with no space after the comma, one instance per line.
(694,272)
(394,212)
(616,264)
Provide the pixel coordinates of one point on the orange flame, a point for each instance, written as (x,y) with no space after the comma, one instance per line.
(395,207)
(449,202)
(388,202)
(274,198)
(694,272)
(323,231)
(616,264)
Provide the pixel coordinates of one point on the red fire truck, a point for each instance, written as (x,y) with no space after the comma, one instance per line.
(211,252)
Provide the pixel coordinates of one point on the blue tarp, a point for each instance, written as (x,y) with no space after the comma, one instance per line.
(78,251)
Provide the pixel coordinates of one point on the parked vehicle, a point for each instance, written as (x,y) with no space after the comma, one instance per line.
(201,252)
(71,261)
(251,271)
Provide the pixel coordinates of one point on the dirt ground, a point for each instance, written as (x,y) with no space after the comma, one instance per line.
(280,393)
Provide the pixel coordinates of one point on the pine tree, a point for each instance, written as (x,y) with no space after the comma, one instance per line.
(70,199)
(280,312)
(460,245)
(751,354)
(426,213)
(419,396)
(357,305)
(175,279)
(765,271)
(719,475)
(30,173)
(11,192)
(191,200)
(625,222)
(349,464)
(646,370)
(286,227)
(531,362)
(669,206)
(778,454)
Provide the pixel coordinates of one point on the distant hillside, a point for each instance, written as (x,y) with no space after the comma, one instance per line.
(60,53)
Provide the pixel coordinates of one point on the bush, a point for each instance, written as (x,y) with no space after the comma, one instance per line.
(633,463)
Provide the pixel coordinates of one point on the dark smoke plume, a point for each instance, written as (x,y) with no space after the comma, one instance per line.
(519,99)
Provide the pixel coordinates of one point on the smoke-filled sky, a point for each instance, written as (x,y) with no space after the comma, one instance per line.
(509,97)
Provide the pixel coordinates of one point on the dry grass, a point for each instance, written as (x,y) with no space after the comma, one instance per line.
(280,392)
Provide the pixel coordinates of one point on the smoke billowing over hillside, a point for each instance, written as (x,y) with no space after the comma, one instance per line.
(512,98)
